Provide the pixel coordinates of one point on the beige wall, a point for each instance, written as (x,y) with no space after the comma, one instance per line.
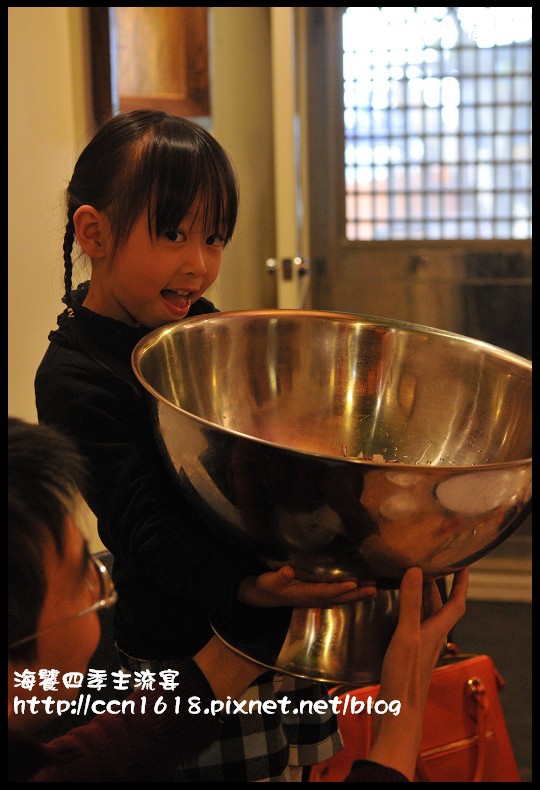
(48,114)
(49,121)
(242,122)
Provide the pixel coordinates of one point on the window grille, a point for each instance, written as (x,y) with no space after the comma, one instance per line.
(437,117)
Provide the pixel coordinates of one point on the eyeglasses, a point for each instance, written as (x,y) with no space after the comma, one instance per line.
(101,583)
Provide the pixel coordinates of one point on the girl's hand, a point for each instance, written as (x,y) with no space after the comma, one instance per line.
(281,588)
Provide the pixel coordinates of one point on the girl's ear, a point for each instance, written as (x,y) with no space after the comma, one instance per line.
(90,231)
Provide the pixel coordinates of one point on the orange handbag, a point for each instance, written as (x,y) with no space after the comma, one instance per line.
(465,735)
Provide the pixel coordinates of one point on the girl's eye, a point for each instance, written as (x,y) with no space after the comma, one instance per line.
(215,241)
(174,235)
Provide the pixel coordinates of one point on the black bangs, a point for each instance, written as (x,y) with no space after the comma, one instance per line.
(186,169)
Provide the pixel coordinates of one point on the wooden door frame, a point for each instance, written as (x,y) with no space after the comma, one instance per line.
(192,95)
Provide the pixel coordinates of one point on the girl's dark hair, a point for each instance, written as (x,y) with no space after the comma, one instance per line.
(45,477)
(150,160)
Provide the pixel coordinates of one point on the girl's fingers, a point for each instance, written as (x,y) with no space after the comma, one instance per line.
(286,573)
(323,592)
(419,598)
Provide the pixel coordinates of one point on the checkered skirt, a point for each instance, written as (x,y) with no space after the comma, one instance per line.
(262,747)
(266,746)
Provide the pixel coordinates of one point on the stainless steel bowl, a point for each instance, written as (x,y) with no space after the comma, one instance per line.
(346,446)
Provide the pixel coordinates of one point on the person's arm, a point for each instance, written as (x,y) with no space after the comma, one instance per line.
(423,625)
(367,771)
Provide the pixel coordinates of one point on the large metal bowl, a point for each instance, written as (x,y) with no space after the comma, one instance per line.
(346,446)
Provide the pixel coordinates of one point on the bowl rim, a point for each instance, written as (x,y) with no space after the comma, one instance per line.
(146,343)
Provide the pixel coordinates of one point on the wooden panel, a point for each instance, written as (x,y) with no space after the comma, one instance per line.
(159,56)
(100,54)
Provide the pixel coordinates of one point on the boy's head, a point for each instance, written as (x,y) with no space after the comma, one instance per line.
(54,585)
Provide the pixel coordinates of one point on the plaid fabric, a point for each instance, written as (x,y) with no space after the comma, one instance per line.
(265,747)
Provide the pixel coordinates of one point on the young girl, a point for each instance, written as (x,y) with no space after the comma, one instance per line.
(152,203)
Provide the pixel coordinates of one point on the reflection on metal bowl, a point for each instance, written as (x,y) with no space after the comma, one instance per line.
(269,419)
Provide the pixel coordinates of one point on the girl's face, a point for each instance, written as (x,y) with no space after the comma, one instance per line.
(152,282)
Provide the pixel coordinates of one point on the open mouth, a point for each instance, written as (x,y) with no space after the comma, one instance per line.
(179,299)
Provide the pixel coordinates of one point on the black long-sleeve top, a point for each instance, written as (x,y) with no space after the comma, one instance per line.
(172,571)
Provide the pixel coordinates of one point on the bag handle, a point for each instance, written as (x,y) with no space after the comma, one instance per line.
(451,650)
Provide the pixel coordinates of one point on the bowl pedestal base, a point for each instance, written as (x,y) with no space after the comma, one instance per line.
(342,644)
